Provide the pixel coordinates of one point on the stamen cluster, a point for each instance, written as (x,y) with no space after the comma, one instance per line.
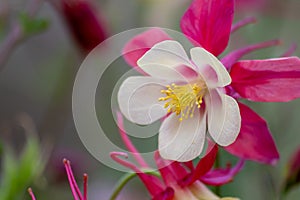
(183,99)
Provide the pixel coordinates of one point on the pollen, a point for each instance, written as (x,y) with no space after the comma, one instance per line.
(183,99)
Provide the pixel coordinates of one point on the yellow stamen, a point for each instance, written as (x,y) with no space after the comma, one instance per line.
(184,99)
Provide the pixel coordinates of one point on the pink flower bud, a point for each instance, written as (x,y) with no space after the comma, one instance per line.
(84,22)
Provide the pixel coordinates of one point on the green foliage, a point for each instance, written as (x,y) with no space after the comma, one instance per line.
(32,25)
(17,174)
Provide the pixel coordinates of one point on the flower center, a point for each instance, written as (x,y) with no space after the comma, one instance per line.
(183,99)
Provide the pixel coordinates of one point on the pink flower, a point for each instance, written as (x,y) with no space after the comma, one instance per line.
(73,185)
(180,180)
(208,23)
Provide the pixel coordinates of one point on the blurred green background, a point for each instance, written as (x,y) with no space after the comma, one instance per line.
(36,85)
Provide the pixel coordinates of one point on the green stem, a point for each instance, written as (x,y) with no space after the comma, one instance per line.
(218,164)
(125,179)
(121,183)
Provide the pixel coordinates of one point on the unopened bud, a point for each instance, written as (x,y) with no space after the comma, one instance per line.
(84,23)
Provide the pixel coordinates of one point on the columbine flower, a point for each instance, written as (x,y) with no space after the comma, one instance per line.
(182,95)
(73,185)
(208,24)
(180,180)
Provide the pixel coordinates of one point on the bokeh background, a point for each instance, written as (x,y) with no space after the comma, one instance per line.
(37,77)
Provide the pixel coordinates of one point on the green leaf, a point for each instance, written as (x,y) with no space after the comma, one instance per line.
(10,168)
(32,25)
(19,173)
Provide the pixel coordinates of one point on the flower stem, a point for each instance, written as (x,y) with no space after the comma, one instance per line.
(125,179)
(218,164)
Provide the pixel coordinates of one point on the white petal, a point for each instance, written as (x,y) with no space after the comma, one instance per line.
(164,72)
(169,53)
(182,141)
(162,60)
(138,99)
(202,59)
(224,119)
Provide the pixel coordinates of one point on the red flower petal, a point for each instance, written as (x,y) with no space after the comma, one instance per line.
(141,43)
(189,165)
(208,23)
(164,167)
(171,171)
(222,176)
(179,170)
(235,55)
(168,194)
(255,141)
(272,80)
(204,165)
